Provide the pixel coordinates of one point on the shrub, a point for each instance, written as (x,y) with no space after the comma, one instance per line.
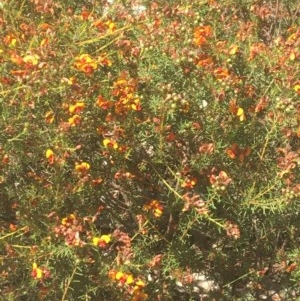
(143,144)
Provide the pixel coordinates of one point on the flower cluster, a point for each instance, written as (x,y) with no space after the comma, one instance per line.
(124,89)
(75,109)
(133,285)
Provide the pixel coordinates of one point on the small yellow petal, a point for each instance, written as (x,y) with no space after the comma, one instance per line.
(240,114)
(105,238)
(297,88)
(96,241)
(119,275)
(49,153)
(129,279)
(39,273)
(140,283)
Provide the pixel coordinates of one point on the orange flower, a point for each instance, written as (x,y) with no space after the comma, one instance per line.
(82,167)
(13,227)
(154,207)
(236,152)
(256,49)
(108,26)
(16,59)
(204,60)
(201,33)
(189,183)
(103,104)
(85,63)
(221,73)
(291,267)
(77,107)
(49,117)
(125,89)
(139,296)
(135,105)
(97,181)
(112,274)
(5,159)
(10,40)
(103,60)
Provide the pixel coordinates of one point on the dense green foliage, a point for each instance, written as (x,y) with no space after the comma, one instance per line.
(142,142)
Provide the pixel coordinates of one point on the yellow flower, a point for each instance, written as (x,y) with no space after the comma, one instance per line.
(139,284)
(155,207)
(82,167)
(36,273)
(49,153)
(111,25)
(77,107)
(49,117)
(74,120)
(101,241)
(50,156)
(105,238)
(68,220)
(32,59)
(233,49)
(85,63)
(96,241)
(297,88)
(109,143)
(103,60)
(10,40)
(240,113)
(129,279)
(119,275)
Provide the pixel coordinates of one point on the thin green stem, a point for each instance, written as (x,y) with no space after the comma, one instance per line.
(68,284)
